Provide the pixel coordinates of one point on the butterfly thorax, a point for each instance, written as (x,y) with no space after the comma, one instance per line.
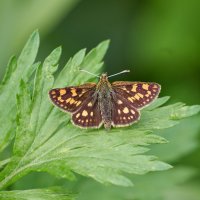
(104,90)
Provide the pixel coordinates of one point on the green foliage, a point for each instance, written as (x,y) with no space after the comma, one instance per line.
(16,23)
(39,194)
(45,140)
(17,70)
(153,186)
(182,137)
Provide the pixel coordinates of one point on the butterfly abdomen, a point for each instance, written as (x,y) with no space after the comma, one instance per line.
(105,105)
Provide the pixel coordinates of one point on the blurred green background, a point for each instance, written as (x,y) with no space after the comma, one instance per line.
(157,40)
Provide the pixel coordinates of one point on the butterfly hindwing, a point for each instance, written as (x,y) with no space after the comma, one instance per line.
(70,99)
(139,94)
(89,115)
(123,113)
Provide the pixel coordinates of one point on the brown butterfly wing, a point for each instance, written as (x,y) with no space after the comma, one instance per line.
(138,94)
(70,99)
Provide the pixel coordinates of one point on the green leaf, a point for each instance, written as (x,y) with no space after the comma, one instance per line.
(185,111)
(17,70)
(23,132)
(4,162)
(12,64)
(92,62)
(166,116)
(182,137)
(153,186)
(159,102)
(39,194)
(47,141)
(28,55)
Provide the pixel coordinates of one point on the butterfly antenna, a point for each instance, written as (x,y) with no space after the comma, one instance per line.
(82,70)
(125,71)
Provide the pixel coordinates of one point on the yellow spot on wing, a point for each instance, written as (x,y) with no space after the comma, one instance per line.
(119,112)
(148,93)
(68,100)
(84,113)
(145,86)
(91,114)
(72,101)
(130,99)
(155,86)
(137,97)
(119,102)
(73,91)
(134,88)
(60,99)
(132,111)
(83,91)
(125,110)
(77,116)
(141,95)
(78,103)
(90,104)
(62,91)
(53,92)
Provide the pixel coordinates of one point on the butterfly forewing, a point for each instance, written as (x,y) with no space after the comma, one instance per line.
(138,94)
(70,99)
(123,113)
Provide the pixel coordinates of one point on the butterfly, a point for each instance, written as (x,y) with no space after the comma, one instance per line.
(116,104)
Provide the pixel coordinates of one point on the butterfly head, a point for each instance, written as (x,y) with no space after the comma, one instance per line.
(103,82)
(104,77)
